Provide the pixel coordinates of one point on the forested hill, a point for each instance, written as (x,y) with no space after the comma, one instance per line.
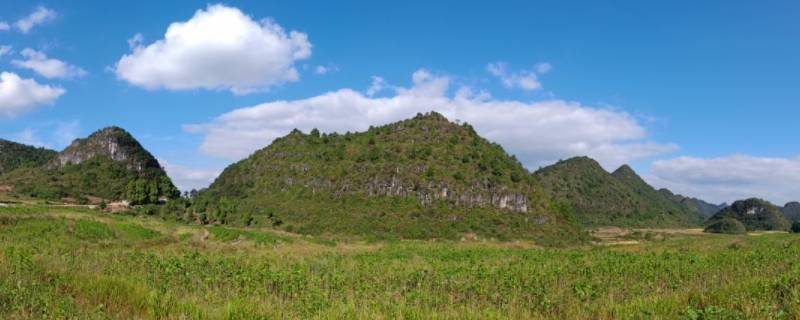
(424,177)
(600,198)
(109,164)
(16,155)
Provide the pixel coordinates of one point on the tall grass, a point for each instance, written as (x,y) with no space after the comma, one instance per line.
(86,266)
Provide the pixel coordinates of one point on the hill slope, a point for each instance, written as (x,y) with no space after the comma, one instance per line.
(109,164)
(420,178)
(755,214)
(791,211)
(16,155)
(618,199)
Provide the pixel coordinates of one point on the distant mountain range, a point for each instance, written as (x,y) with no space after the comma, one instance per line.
(620,198)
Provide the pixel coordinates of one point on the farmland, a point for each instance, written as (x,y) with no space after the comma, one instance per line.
(77,263)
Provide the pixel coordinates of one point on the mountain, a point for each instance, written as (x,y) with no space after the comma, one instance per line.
(754,214)
(423,177)
(705,209)
(109,164)
(620,198)
(699,207)
(791,211)
(16,155)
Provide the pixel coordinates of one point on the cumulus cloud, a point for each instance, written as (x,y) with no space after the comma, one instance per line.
(39,16)
(186,178)
(19,95)
(527,80)
(4,26)
(730,178)
(539,133)
(47,67)
(219,48)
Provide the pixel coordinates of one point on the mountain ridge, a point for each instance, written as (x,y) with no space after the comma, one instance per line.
(621,198)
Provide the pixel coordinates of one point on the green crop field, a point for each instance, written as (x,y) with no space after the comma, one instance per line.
(81,264)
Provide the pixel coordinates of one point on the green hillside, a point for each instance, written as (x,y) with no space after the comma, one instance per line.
(618,199)
(424,177)
(16,155)
(109,164)
(755,214)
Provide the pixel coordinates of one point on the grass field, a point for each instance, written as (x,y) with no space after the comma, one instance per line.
(73,263)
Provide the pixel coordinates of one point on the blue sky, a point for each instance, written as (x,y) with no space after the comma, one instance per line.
(700,97)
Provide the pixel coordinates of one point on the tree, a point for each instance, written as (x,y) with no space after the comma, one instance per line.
(796,227)
(152,192)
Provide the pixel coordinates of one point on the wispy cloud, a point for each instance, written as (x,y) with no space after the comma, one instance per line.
(37,17)
(48,67)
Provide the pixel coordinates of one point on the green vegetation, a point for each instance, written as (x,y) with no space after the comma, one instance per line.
(727,226)
(109,164)
(754,214)
(420,178)
(15,155)
(796,227)
(57,263)
(618,199)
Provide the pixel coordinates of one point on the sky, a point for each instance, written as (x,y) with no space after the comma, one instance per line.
(699,97)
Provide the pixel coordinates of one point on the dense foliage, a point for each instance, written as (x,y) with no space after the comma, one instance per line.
(72,265)
(424,177)
(618,199)
(754,214)
(727,226)
(15,155)
(796,227)
(109,164)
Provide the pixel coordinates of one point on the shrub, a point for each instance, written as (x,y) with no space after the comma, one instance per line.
(727,226)
(796,227)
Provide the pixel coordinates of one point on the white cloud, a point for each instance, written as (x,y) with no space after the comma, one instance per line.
(322,70)
(219,48)
(19,95)
(4,50)
(4,26)
(47,67)
(37,17)
(539,133)
(186,178)
(730,178)
(527,80)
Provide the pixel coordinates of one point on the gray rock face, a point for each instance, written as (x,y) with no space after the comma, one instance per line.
(479,195)
(114,143)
